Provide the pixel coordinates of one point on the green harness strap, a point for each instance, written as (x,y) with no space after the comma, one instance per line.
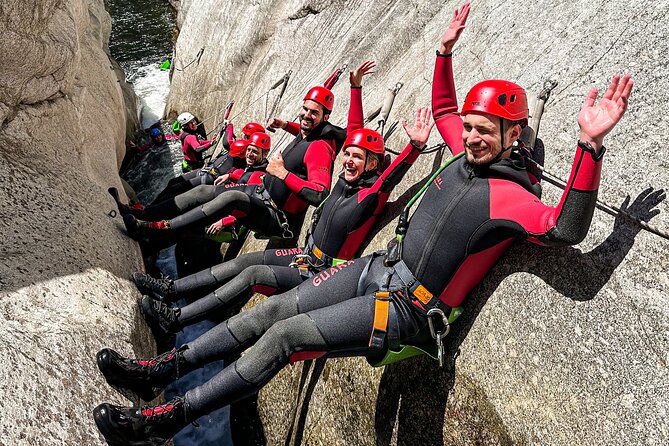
(407,351)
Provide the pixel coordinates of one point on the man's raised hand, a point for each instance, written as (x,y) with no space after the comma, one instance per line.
(596,120)
(454,29)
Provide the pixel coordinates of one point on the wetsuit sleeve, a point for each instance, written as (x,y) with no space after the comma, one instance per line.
(445,104)
(199,145)
(568,222)
(394,173)
(356,119)
(293,128)
(228,137)
(318,160)
(235,175)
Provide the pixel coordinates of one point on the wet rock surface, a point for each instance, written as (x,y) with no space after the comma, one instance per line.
(571,345)
(63,260)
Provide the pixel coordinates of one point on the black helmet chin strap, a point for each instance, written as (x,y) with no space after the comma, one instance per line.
(501,142)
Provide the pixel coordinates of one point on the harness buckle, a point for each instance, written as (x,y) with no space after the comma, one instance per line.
(299,261)
(438,335)
(287,233)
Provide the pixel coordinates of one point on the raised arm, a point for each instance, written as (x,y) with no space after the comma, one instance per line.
(356,118)
(444,99)
(418,136)
(569,221)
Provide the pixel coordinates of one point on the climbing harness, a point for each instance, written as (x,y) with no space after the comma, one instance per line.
(263,194)
(438,314)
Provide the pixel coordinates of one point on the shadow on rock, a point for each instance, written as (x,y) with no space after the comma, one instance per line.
(413,394)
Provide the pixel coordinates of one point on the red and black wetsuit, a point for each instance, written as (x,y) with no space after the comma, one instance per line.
(309,162)
(193,147)
(222,164)
(346,217)
(464,222)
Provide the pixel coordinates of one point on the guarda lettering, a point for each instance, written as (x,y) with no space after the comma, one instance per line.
(325,275)
(288,252)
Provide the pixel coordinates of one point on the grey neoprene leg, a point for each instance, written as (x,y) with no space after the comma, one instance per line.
(222,205)
(240,330)
(238,287)
(273,350)
(216,276)
(194,197)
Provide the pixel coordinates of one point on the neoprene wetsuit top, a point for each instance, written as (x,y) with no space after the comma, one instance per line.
(309,162)
(193,147)
(488,208)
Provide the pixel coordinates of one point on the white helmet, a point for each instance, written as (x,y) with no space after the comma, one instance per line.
(184,118)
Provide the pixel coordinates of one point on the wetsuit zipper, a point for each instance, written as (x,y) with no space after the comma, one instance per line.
(441,222)
(331,215)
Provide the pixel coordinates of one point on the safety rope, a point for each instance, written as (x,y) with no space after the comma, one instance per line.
(614,211)
(196,59)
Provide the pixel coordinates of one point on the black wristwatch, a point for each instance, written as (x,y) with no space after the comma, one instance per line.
(585,146)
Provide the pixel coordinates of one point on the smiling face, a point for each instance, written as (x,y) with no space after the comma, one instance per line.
(482,138)
(311,115)
(191,125)
(254,155)
(356,162)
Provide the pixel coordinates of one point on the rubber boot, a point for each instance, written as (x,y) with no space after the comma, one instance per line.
(139,229)
(137,426)
(141,379)
(146,284)
(162,320)
(137,209)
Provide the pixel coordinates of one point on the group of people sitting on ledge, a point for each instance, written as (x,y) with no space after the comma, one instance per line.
(326,300)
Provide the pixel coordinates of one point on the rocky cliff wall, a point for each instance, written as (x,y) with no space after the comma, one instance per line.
(571,345)
(63,260)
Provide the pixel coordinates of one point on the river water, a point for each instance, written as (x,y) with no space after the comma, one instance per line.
(141,39)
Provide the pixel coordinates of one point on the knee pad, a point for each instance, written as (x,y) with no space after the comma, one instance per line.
(273,350)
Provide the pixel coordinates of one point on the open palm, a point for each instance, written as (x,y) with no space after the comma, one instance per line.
(597,120)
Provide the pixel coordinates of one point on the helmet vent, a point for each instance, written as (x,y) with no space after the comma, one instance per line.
(502,99)
(513,98)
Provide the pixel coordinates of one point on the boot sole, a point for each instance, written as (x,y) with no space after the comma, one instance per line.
(113,438)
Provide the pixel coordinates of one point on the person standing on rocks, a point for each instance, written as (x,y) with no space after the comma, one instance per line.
(296,178)
(471,212)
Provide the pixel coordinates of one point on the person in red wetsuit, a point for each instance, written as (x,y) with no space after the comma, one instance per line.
(469,214)
(339,228)
(233,157)
(192,146)
(296,178)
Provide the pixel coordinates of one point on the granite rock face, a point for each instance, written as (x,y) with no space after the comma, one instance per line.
(571,346)
(63,260)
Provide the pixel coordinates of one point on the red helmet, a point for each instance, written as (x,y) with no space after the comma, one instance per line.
(252,127)
(498,98)
(322,96)
(260,140)
(238,148)
(366,139)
